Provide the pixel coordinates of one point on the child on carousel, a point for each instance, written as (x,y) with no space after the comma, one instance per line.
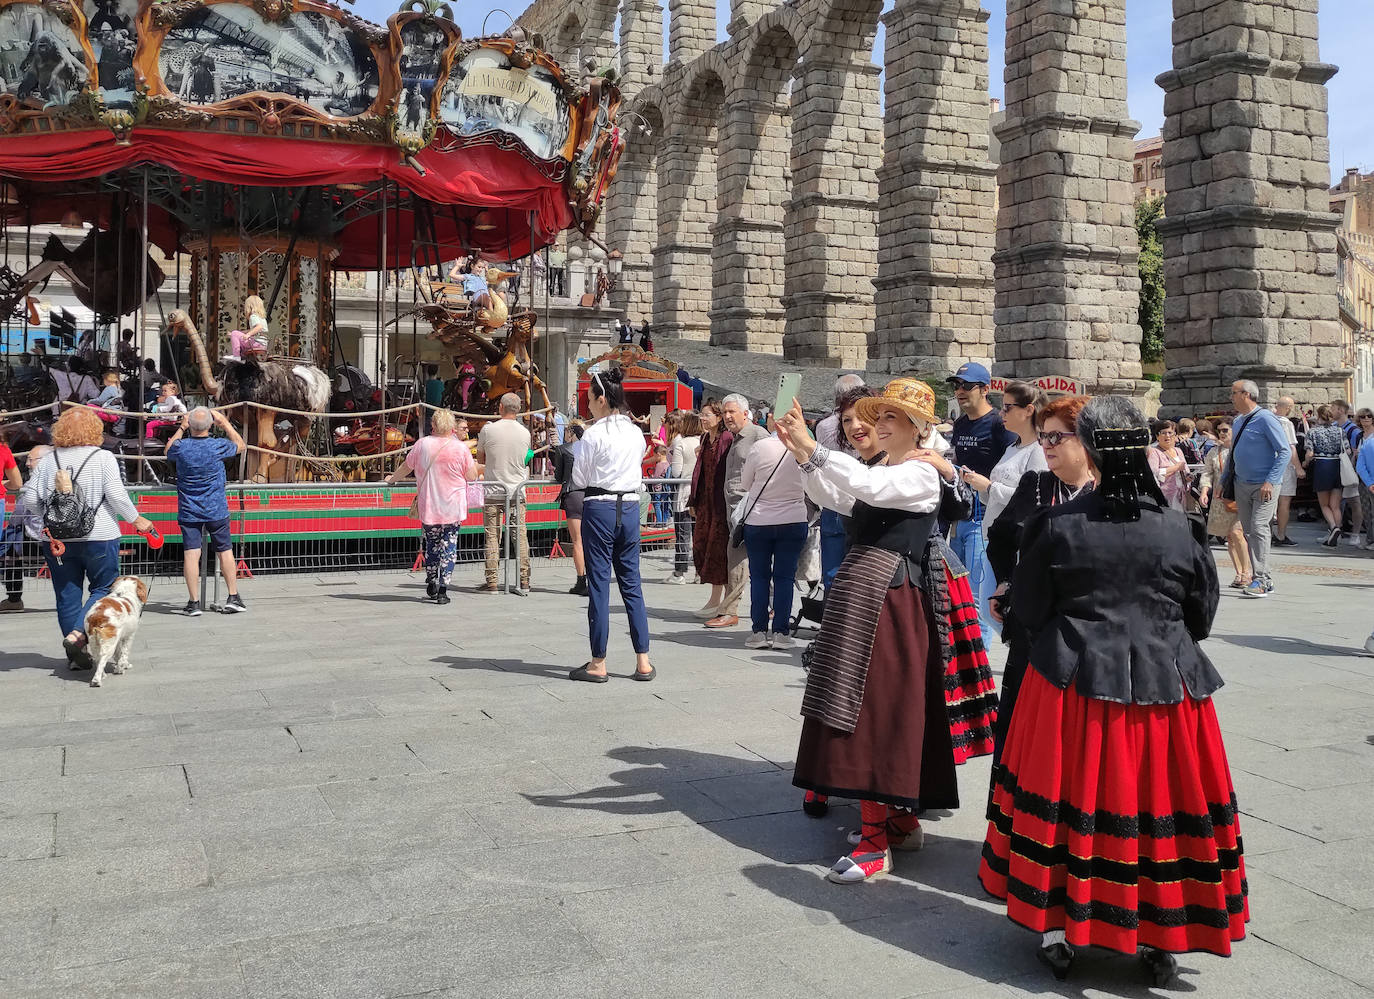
(255,341)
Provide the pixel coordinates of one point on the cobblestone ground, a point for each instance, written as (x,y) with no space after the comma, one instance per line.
(347,792)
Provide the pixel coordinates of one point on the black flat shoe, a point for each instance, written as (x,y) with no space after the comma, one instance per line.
(1059,958)
(646,677)
(77,655)
(1160,966)
(583,673)
(441,597)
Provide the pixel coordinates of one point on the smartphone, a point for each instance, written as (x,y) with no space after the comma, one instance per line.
(789,384)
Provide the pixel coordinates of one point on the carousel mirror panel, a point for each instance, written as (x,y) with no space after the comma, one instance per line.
(42,60)
(220,52)
(423,46)
(112,30)
(485,95)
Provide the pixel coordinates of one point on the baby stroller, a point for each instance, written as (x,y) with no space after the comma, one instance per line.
(811,605)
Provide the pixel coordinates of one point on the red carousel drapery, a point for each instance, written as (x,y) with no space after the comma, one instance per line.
(453,184)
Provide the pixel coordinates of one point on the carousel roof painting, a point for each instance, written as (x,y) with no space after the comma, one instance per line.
(471,143)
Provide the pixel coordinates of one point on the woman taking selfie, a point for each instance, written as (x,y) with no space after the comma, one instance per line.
(609,474)
(875,726)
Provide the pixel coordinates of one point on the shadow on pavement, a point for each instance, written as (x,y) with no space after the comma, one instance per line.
(1285,645)
(12,661)
(519,666)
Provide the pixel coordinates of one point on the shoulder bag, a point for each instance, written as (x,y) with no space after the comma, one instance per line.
(68,516)
(1228,474)
(1350,479)
(737,532)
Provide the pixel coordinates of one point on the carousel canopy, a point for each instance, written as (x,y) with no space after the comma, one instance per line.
(399,144)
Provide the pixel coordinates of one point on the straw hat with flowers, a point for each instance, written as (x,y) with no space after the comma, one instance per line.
(910,396)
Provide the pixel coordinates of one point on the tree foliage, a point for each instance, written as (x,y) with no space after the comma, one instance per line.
(1147,213)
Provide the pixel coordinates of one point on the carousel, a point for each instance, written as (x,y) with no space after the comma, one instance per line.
(278,145)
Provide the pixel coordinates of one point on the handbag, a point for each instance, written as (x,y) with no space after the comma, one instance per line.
(415,503)
(68,516)
(737,532)
(1350,479)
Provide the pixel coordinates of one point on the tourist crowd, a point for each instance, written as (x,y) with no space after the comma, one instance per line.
(1072,528)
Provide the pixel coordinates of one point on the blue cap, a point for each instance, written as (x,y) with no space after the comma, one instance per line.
(971,372)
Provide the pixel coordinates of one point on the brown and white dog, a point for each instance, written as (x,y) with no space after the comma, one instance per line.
(111,625)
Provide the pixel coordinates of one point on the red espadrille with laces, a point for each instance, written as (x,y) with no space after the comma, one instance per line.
(871,857)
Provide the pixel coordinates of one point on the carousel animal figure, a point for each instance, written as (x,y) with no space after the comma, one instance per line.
(280,388)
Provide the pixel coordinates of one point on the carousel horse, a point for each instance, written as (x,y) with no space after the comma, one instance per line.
(280,388)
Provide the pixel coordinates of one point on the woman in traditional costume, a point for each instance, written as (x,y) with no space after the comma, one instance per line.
(1070,475)
(1113,820)
(875,725)
(970,693)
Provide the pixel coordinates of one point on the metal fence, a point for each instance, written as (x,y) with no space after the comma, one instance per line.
(303,529)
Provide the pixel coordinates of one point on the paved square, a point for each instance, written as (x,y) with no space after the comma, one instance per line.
(347,792)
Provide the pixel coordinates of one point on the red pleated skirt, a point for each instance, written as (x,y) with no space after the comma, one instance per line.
(970,691)
(1116,823)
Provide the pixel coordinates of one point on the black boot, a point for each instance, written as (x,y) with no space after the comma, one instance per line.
(1059,957)
(579,588)
(1160,966)
(441,595)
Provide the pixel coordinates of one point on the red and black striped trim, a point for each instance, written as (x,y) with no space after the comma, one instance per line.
(1106,823)
(1105,869)
(1129,919)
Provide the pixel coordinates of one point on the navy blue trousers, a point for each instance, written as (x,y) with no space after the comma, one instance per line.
(610,540)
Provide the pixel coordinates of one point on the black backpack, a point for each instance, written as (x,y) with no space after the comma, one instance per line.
(68,516)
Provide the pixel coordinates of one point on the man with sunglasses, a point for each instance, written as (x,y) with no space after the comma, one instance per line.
(980,439)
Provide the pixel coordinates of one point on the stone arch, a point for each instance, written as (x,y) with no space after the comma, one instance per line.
(687,205)
(764,35)
(632,206)
(567,45)
(830,225)
(755,181)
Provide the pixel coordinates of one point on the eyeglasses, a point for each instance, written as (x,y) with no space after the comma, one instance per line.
(1007,407)
(965,386)
(1054,438)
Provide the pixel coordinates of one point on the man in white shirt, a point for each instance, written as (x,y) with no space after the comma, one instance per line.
(1288,488)
(503,447)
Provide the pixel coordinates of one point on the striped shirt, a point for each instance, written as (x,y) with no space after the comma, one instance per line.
(99,484)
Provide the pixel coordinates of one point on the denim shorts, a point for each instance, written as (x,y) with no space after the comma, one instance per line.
(192,531)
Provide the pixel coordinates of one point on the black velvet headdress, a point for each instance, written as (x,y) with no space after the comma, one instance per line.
(1125,471)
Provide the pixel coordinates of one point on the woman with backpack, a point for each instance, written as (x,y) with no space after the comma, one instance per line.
(82,515)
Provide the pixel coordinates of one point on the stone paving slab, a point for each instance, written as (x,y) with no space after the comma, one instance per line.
(348,792)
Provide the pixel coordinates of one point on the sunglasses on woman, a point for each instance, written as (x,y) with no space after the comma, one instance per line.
(1053,438)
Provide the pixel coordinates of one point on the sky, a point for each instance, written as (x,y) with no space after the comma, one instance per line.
(1347,26)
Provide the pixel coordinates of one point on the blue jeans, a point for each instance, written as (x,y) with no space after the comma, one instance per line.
(774,551)
(971,548)
(92,562)
(610,537)
(833,545)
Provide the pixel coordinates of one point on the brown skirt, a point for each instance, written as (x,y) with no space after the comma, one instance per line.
(900,752)
(710,538)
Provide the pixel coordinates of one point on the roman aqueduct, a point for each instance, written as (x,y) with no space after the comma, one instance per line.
(777,204)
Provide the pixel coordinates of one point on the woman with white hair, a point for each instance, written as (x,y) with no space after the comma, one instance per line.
(875,724)
(1113,820)
(443,466)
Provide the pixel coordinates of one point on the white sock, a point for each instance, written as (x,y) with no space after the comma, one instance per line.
(1051,937)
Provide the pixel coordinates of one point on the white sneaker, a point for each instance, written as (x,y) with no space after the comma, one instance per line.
(782,640)
(676,579)
(1369,645)
(758,640)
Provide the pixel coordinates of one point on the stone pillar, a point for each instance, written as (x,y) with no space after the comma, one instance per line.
(632,225)
(747,260)
(746,13)
(691,29)
(937,191)
(641,45)
(598,33)
(686,212)
(831,219)
(1249,241)
(1068,283)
